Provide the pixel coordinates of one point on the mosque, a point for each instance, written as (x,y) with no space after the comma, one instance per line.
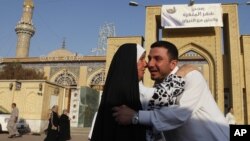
(75,82)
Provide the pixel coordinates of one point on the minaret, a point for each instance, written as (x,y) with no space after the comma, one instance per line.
(25,30)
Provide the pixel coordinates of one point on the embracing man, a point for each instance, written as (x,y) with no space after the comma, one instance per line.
(194,116)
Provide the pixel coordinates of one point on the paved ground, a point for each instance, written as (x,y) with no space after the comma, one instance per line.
(76,136)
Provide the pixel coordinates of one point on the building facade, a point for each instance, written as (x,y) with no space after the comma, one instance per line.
(220,53)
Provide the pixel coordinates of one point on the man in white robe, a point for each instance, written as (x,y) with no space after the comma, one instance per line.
(195,118)
(11,126)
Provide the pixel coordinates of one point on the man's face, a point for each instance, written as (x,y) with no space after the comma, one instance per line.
(141,66)
(13,106)
(159,63)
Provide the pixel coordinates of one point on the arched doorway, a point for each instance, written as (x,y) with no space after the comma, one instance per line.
(98,79)
(192,57)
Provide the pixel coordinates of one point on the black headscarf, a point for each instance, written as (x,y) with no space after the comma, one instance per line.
(121,87)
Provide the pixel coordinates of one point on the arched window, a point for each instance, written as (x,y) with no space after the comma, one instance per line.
(65,79)
(98,80)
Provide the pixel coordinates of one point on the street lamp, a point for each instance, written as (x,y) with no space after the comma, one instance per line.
(133,3)
(191,3)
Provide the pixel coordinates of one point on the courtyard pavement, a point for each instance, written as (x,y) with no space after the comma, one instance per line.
(75,135)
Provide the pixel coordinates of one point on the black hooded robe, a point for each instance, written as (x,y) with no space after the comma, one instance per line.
(121,87)
(64,130)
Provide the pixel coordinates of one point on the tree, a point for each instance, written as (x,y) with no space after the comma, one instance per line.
(15,70)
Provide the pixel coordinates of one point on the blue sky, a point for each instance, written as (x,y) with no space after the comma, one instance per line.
(79,21)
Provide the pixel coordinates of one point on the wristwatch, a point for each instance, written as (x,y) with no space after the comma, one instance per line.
(135,118)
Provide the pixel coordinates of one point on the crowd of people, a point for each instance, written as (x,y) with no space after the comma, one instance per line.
(58,128)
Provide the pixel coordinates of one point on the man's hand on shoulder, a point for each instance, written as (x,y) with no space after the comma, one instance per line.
(123,114)
(185,69)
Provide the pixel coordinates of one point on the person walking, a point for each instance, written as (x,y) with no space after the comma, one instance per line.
(11,126)
(52,133)
(64,126)
(230,116)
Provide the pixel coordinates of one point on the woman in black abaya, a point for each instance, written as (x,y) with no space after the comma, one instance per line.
(64,124)
(52,131)
(121,87)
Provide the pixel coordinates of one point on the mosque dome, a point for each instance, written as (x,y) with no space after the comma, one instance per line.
(61,52)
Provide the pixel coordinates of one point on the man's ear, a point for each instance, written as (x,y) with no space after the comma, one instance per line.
(173,64)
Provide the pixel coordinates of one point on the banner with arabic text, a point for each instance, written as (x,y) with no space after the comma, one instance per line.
(197,15)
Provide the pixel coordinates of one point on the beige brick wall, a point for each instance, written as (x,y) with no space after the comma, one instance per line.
(246,57)
(115,42)
(208,43)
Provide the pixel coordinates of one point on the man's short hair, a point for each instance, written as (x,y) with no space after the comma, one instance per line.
(172,49)
(14,104)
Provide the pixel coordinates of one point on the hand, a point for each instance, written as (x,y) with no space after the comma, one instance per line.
(185,69)
(123,114)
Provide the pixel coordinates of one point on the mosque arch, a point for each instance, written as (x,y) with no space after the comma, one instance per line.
(65,78)
(97,79)
(202,52)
